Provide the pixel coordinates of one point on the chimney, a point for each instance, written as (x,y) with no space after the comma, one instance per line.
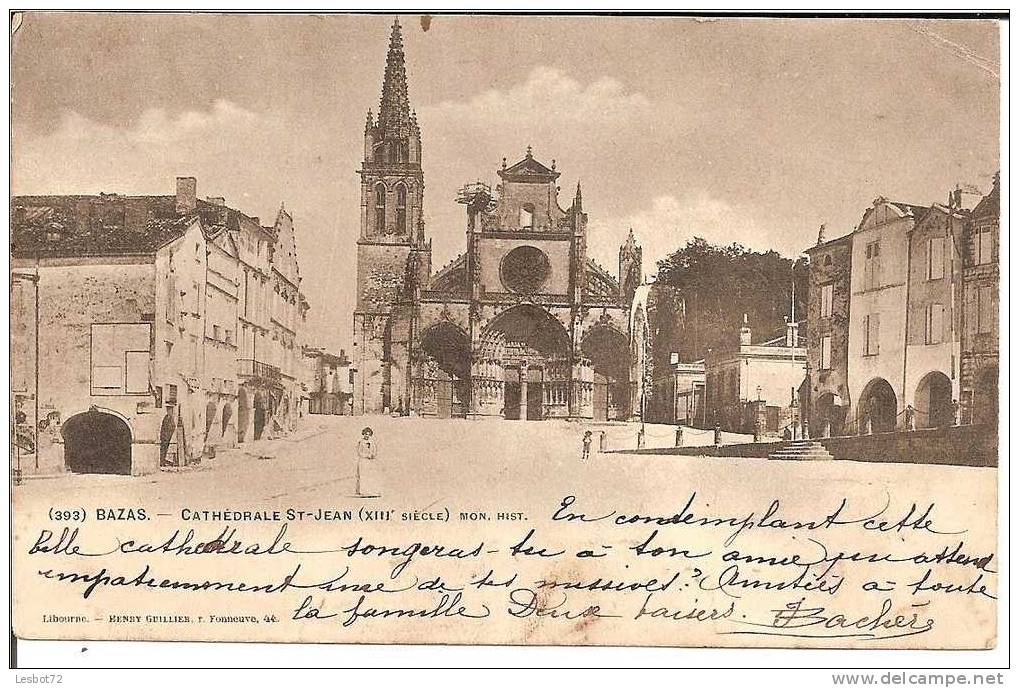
(744,332)
(216,200)
(187,194)
(792,329)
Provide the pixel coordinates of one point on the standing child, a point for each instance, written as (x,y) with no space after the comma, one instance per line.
(587,446)
(366,453)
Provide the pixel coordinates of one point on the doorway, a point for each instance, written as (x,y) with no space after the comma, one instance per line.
(444,398)
(97,442)
(601,397)
(511,394)
(535,395)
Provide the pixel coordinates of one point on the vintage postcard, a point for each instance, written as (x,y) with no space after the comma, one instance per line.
(507,330)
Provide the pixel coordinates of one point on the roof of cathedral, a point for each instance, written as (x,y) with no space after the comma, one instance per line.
(395,115)
(447,279)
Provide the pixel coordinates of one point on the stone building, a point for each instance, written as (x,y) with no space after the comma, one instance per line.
(933,311)
(134,306)
(828,322)
(979,350)
(677,395)
(327,382)
(888,333)
(521,325)
(756,386)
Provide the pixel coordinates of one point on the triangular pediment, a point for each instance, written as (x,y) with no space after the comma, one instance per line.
(529,168)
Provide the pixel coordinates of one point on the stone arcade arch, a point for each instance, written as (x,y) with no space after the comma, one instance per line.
(933,401)
(877,403)
(529,352)
(243,414)
(97,441)
(609,353)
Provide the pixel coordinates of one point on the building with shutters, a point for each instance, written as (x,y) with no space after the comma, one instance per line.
(145,329)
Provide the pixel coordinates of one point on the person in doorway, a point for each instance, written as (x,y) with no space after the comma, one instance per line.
(587,446)
(364,473)
(166,430)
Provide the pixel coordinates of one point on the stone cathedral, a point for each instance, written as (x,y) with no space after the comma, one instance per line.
(522,325)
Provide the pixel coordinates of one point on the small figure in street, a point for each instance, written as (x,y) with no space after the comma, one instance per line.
(364,472)
(718,435)
(587,446)
(956,412)
(166,430)
(910,418)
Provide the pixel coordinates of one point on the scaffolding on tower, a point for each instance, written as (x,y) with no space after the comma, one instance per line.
(476,195)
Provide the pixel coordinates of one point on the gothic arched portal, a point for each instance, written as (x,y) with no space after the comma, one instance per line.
(609,352)
(442,380)
(530,349)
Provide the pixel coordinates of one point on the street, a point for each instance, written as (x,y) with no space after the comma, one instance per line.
(470,465)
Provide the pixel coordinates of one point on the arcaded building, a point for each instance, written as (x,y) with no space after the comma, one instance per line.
(521,325)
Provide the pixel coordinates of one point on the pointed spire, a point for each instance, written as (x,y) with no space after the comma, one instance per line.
(631,240)
(369,121)
(578,200)
(394,105)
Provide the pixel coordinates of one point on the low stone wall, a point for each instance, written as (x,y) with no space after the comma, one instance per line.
(966,445)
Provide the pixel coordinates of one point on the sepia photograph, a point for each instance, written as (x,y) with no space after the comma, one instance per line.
(512,330)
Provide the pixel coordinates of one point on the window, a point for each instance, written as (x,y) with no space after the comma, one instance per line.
(215,332)
(935,258)
(872,266)
(827,292)
(380,208)
(934,326)
(229,336)
(120,358)
(171,394)
(401,208)
(826,352)
(871,334)
(983,246)
(526,216)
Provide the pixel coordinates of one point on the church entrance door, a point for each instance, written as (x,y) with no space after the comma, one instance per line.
(535,397)
(601,397)
(511,396)
(444,398)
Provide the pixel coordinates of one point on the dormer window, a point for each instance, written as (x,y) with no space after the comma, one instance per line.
(527,216)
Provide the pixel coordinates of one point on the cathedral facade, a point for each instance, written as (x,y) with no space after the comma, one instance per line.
(522,325)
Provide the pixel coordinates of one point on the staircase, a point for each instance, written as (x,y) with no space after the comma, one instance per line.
(802,450)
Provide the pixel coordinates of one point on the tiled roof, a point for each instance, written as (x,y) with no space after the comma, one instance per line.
(107,224)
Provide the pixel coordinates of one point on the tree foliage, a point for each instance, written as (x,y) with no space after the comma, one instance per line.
(713,286)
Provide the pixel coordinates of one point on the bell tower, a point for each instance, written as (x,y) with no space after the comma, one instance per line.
(391,248)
